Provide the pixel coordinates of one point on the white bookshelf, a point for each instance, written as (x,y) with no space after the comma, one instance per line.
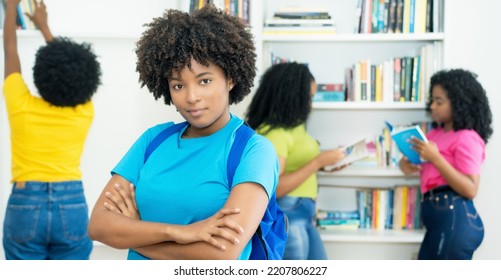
(336,124)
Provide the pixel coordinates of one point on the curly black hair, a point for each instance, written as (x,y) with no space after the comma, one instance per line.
(208,35)
(283,98)
(66,73)
(469,103)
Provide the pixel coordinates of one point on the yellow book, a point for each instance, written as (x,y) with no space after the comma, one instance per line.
(407,17)
(379,83)
(403,209)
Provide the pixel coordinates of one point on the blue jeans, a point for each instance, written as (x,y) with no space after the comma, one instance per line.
(303,242)
(47,221)
(454,229)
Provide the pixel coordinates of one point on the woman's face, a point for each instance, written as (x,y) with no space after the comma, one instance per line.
(440,107)
(201,95)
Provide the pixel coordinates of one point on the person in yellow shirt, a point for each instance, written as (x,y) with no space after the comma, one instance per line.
(279,110)
(47,214)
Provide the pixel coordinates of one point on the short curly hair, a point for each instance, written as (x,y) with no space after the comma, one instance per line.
(208,35)
(283,98)
(469,103)
(66,73)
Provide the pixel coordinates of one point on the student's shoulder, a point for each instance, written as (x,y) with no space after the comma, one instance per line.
(156,129)
(469,136)
(14,82)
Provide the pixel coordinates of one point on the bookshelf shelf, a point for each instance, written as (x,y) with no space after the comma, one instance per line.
(366,171)
(369,105)
(353,38)
(372,236)
(366,177)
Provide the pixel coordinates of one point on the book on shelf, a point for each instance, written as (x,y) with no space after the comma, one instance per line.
(353,152)
(303,30)
(329,93)
(402,137)
(272,22)
(302,12)
(337,214)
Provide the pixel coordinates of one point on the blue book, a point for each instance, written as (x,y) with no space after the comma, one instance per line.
(402,137)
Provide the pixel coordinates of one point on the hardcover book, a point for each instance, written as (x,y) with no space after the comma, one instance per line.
(402,137)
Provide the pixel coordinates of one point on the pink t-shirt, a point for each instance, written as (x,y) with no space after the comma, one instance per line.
(463,149)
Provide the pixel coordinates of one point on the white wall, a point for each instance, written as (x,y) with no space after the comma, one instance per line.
(473,42)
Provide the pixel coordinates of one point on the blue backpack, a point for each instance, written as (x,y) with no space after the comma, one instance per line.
(268,242)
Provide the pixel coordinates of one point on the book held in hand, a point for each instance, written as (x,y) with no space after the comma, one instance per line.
(402,137)
(353,152)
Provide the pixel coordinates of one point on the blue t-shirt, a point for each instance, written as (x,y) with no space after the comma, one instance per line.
(185,181)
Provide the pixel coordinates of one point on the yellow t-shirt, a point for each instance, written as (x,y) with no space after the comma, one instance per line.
(46,141)
(298,148)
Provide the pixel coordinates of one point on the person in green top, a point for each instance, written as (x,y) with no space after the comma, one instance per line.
(279,111)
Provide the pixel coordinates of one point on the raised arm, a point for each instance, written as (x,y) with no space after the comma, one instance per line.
(12,63)
(252,200)
(40,19)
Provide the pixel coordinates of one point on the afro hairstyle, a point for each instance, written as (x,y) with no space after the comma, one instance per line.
(469,103)
(283,98)
(66,73)
(209,36)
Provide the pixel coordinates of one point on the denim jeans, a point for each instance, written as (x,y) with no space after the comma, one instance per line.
(47,221)
(454,229)
(303,242)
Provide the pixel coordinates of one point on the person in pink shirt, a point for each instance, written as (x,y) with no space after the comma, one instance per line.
(450,176)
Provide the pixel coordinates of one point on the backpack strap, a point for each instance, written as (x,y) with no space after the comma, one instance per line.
(242,136)
(161,137)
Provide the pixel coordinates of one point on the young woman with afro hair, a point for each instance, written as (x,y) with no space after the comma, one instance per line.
(450,176)
(279,111)
(178,203)
(47,214)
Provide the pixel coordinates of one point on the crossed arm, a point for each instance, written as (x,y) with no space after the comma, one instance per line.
(39,17)
(214,238)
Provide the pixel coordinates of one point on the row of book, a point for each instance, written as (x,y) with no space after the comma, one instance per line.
(300,20)
(397,79)
(240,8)
(392,208)
(398,16)
(400,79)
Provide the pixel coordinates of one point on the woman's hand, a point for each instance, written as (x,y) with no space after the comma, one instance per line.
(330,157)
(39,16)
(124,203)
(407,167)
(428,151)
(217,225)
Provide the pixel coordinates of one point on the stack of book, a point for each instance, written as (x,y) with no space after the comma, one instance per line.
(300,20)
(336,219)
(330,93)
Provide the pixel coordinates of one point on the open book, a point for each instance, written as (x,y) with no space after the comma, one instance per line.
(402,137)
(353,152)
